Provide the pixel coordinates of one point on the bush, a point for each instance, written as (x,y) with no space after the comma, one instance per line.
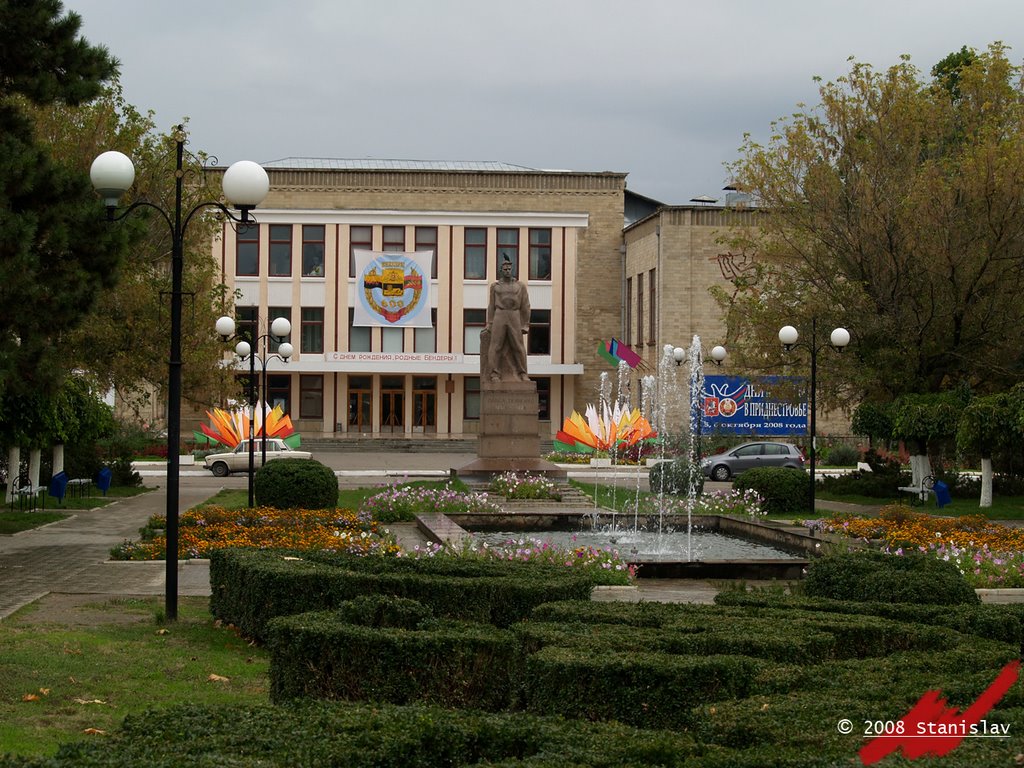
(675,477)
(871,484)
(784,491)
(295,484)
(843,455)
(870,576)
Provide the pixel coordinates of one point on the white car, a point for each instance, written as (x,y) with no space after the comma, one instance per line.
(223,464)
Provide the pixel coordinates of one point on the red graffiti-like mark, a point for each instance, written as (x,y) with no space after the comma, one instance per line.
(930,728)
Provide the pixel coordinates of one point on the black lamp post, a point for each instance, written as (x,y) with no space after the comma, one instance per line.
(245,185)
(279,330)
(718,354)
(838,339)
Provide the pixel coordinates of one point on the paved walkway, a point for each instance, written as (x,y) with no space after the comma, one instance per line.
(71,556)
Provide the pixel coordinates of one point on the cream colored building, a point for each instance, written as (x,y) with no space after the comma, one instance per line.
(563,231)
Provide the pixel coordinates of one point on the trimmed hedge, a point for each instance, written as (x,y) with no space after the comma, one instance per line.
(321,655)
(295,484)
(251,587)
(785,491)
(876,577)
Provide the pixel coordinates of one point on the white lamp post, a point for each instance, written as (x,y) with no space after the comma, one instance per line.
(245,186)
(839,338)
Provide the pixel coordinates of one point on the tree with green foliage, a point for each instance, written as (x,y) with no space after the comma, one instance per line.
(990,425)
(922,421)
(897,212)
(56,251)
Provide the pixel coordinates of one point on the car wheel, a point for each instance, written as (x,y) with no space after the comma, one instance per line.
(220,469)
(720,473)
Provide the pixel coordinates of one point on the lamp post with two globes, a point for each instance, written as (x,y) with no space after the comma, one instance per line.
(245,186)
(280,328)
(838,340)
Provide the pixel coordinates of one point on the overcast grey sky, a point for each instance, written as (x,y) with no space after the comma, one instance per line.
(663,90)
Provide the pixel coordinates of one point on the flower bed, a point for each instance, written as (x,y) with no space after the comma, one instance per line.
(201,530)
(988,554)
(736,503)
(523,486)
(404,502)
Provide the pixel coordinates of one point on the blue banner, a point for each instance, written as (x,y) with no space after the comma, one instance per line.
(736,405)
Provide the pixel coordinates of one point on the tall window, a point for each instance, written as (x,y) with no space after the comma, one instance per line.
(247,250)
(629,311)
(543,398)
(508,245)
(311,397)
(245,322)
(652,329)
(361,239)
(640,309)
(280,250)
(426,240)
(473,322)
(313,250)
(358,336)
(540,254)
(279,392)
(312,332)
(394,239)
(425,339)
(272,314)
(471,398)
(475,253)
(538,341)
(393,339)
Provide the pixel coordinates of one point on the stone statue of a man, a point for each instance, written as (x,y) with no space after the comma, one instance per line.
(503,341)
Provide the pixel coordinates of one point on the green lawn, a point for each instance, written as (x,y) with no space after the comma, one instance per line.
(1003,508)
(61,679)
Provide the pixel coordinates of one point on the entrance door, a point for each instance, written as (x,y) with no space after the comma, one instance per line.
(424,404)
(392,404)
(360,400)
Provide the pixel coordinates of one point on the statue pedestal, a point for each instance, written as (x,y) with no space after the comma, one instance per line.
(509,432)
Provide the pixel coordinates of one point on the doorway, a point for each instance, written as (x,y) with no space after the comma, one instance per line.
(392,404)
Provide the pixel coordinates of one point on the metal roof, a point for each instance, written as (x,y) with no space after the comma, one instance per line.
(374,164)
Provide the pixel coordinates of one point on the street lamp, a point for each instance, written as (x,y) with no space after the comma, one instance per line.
(279,330)
(697,392)
(245,186)
(838,339)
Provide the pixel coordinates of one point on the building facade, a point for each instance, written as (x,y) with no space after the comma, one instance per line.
(562,230)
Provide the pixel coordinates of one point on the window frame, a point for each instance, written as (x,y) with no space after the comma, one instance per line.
(311,384)
(536,250)
(310,245)
(354,245)
(478,256)
(427,245)
(507,249)
(311,328)
(247,249)
(280,250)
(478,321)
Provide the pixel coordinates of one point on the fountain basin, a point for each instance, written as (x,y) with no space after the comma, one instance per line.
(766,549)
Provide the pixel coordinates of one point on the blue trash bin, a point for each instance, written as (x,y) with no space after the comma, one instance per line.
(103,478)
(942,497)
(59,486)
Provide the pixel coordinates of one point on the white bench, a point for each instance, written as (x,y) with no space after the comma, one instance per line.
(922,491)
(28,497)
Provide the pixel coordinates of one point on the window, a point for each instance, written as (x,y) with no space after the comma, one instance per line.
(312,331)
(471,398)
(394,239)
(475,253)
(361,239)
(279,392)
(508,245)
(540,254)
(543,399)
(272,314)
(247,250)
(280,250)
(393,339)
(425,339)
(538,341)
(313,250)
(640,309)
(473,321)
(311,397)
(358,336)
(426,240)
(629,311)
(245,323)
(652,329)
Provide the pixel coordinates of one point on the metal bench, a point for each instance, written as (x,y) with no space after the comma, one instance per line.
(28,497)
(920,493)
(79,486)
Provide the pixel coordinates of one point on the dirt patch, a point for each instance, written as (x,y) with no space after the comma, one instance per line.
(90,610)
